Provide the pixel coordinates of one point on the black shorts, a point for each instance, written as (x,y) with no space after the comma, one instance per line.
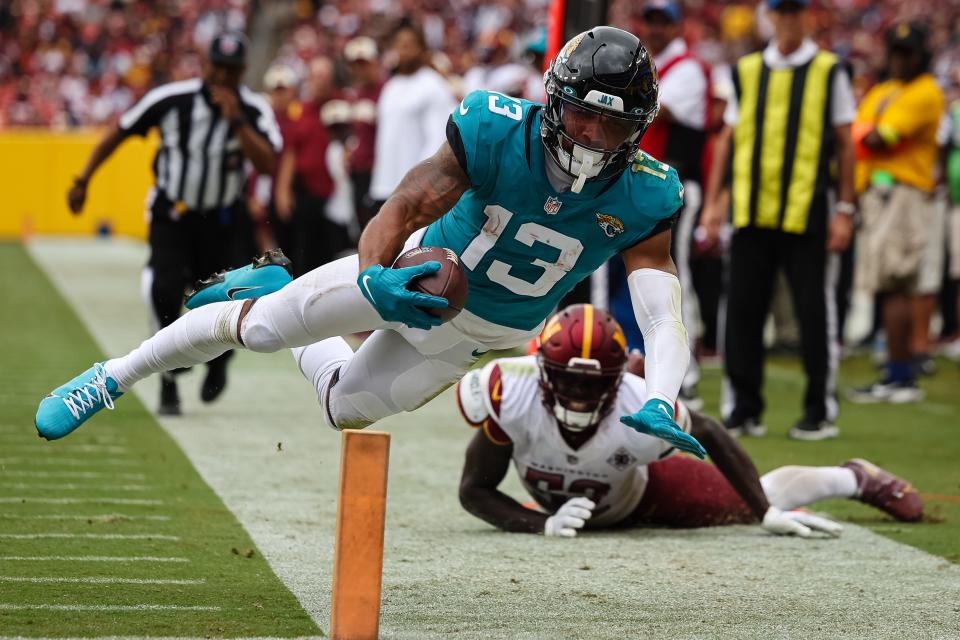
(192,244)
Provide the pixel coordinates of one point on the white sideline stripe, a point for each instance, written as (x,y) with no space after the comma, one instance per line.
(72,474)
(99,517)
(100,580)
(67,486)
(89,536)
(92,559)
(105,607)
(136,501)
(69,462)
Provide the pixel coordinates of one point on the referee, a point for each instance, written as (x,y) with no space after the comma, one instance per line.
(788,120)
(207,127)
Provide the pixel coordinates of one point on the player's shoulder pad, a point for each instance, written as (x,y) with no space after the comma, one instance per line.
(479,394)
(656,189)
(489,116)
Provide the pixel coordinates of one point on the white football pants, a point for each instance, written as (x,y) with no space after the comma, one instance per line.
(396,369)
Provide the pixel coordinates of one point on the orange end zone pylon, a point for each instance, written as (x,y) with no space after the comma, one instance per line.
(358,554)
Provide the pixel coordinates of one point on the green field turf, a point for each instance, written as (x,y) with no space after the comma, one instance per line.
(265,452)
(111,531)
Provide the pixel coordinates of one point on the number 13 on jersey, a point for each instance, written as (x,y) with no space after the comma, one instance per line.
(528,233)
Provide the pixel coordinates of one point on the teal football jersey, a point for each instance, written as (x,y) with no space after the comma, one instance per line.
(522,244)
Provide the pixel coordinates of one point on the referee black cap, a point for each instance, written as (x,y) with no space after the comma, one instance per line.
(229,49)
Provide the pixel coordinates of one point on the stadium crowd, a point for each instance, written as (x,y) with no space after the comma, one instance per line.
(70,63)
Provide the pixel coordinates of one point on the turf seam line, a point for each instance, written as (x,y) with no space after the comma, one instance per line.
(70,462)
(77,448)
(95,518)
(73,474)
(90,536)
(93,559)
(75,487)
(107,607)
(131,501)
(101,580)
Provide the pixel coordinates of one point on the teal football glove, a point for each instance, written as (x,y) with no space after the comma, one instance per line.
(386,289)
(656,419)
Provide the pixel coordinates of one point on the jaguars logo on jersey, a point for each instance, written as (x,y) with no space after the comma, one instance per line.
(610,225)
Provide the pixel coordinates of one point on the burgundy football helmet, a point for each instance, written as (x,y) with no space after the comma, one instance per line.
(582,353)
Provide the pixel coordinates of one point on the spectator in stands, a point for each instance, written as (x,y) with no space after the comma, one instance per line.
(411,114)
(896,136)
(366,83)
(282,85)
(303,179)
(337,117)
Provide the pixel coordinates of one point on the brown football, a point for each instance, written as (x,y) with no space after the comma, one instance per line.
(450,282)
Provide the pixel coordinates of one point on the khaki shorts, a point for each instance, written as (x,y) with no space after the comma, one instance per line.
(897,223)
(930,279)
(953,237)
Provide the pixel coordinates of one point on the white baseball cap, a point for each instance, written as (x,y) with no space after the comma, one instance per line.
(336,112)
(360,48)
(279,75)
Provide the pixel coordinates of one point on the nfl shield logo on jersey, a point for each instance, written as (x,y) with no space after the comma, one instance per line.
(621,459)
(552,205)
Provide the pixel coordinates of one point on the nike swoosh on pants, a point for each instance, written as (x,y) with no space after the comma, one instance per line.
(235,290)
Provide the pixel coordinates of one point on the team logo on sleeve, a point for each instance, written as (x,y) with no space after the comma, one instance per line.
(621,459)
(552,205)
(610,225)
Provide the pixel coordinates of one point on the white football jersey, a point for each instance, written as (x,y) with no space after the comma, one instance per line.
(504,399)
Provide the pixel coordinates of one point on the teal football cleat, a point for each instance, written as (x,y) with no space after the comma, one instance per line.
(266,274)
(72,404)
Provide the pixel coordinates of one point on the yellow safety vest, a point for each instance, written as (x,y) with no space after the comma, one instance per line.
(782,142)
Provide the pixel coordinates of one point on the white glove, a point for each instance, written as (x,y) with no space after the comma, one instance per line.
(798,523)
(569,518)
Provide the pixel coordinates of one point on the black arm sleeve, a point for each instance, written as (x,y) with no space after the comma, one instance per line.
(455,141)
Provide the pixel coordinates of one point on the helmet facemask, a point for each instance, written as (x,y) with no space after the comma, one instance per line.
(579,394)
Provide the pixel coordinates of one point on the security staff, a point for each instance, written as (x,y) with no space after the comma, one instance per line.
(207,127)
(789,117)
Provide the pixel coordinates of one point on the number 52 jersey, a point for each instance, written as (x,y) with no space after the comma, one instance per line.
(504,400)
(522,244)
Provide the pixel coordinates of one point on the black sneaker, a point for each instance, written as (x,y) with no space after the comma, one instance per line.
(216,380)
(169,397)
(811,430)
(746,426)
(887,391)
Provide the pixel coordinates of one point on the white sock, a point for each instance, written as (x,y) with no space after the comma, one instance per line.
(795,486)
(318,362)
(196,337)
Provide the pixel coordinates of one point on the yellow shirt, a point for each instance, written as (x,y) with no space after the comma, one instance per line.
(909,115)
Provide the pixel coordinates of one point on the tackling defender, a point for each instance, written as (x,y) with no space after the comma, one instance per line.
(554,416)
(532,198)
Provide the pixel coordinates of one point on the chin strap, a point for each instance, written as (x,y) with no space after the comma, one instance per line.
(586,165)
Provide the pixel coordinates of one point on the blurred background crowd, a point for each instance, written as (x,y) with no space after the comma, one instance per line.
(67,63)
(339,75)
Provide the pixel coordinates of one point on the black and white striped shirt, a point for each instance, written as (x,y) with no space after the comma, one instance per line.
(199,164)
